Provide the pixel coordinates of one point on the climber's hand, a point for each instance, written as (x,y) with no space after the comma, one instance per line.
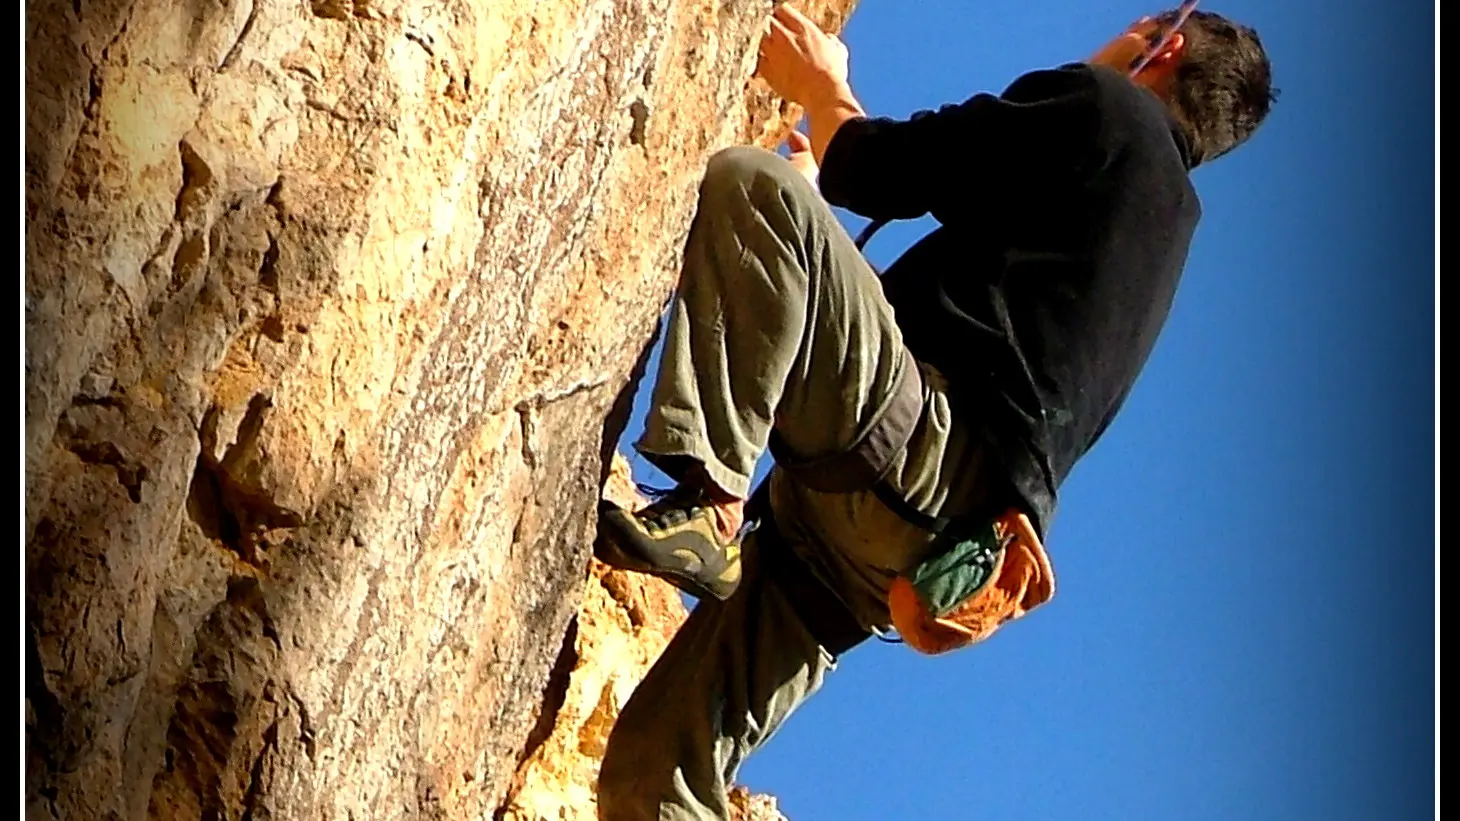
(801,158)
(799,61)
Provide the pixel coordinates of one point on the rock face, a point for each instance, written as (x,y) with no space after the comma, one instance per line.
(331,307)
(624,623)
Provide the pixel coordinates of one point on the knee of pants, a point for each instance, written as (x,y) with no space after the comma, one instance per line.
(734,176)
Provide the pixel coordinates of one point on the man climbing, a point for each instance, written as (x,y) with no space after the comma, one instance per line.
(922,422)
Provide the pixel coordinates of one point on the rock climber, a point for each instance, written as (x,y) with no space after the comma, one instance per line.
(922,419)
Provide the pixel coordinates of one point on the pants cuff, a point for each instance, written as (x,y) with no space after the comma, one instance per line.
(672,445)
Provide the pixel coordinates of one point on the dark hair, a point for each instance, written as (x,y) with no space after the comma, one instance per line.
(1223,87)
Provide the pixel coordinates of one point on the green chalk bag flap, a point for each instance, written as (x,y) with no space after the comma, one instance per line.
(948,578)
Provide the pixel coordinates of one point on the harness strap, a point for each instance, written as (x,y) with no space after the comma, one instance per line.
(865,463)
(893,500)
(862,466)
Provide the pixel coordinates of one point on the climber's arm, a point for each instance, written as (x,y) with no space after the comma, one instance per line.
(807,66)
(969,156)
(959,157)
(826,113)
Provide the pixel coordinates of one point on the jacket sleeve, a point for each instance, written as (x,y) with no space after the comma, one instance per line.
(1045,124)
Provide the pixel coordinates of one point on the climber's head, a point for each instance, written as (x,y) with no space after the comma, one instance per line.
(1212,72)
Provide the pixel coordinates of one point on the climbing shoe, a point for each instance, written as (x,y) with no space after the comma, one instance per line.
(676,539)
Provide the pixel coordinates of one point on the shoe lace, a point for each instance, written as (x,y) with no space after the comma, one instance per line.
(663,499)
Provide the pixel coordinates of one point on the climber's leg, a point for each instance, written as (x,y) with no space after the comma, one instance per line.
(727,681)
(777,321)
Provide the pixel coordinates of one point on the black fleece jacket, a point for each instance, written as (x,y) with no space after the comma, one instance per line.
(1065,212)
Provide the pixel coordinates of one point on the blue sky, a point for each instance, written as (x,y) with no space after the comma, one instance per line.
(1244,628)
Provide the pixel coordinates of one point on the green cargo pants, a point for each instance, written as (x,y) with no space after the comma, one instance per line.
(778,322)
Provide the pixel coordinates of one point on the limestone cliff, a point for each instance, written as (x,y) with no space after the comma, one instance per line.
(624,623)
(330,308)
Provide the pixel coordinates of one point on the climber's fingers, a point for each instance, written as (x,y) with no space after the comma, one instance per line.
(779,36)
(776,39)
(793,19)
(779,58)
(796,60)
